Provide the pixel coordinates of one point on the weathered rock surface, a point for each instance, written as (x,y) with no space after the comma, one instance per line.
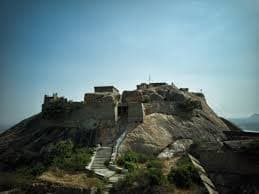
(159,130)
(180,115)
(178,147)
(173,119)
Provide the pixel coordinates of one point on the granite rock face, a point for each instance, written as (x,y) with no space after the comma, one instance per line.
(177,115)
(178,147)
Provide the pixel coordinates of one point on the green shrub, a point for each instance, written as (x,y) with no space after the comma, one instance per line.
(80,158)
(155,164)
(64,156)
(131,166)
(185,174)
(61,149)
(181,177)
(190,104)
(31,171)
(132,157)
(141,178)
(146,99)
(137,176)
(120,161)
(37,169)
(156,176)
(143,158)
(183,161)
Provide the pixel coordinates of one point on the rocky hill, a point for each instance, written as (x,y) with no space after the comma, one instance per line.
(179,115)
(168,114)
(153,117)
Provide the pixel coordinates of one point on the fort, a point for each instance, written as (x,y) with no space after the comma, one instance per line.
(154,118)
(108,105)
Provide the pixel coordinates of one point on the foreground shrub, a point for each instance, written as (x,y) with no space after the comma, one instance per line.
(180,177)
(64,155)
(185,174)
(131,166)
(80,158)
(31,171)
(131,157)
(62,149)
(155,176)
(146,180)
(155,164)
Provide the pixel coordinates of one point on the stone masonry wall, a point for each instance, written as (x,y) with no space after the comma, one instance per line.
(135,112)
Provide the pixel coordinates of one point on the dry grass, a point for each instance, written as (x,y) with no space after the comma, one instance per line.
(70,179)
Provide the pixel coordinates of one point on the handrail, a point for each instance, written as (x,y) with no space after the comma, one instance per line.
(92,158)
(116,147)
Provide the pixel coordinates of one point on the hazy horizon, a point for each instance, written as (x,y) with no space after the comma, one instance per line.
(70,47)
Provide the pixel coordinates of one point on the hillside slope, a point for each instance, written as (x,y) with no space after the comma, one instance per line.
(160,129)
(170,114)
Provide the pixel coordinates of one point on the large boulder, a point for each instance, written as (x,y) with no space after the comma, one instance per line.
(191,120)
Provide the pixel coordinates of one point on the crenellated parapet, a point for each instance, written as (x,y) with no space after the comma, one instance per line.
(55,106)
(107,105)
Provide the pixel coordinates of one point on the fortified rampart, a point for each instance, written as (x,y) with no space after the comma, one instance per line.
(55,106)
(106,104)
(110,89)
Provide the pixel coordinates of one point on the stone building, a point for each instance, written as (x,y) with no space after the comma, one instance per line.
(111,89)
(131,102)
(103,103)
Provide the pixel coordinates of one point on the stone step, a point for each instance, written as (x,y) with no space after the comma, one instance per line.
(104,151)
(98,167)
(101,160)
(101,165)
(98,163)
(108,151)
(103,154)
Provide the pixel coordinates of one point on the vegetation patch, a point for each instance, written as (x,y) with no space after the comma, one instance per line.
(132,160)
(64,155)
(72,179)
(184,175)
(145,173)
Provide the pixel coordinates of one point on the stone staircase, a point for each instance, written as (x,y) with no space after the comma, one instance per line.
(103,154)
(107,153)
(98,166)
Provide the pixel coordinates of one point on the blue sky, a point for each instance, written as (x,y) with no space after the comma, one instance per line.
(70,46)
